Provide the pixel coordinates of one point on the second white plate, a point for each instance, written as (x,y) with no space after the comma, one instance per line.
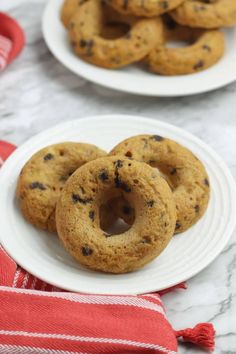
(132,79)
(187,254)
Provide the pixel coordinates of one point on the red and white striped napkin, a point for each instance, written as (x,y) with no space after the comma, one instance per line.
(12,40)
(36,317)
(5,49)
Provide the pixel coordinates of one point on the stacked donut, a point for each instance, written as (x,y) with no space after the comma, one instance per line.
(157,186)
(116,33)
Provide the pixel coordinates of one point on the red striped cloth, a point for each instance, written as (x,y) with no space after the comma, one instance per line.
(11,40)
(36,317)
(5,49)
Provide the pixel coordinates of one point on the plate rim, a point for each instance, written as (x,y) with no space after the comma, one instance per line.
(111,84)
(218,159)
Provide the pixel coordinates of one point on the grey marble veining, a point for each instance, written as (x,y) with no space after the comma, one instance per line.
(37,92)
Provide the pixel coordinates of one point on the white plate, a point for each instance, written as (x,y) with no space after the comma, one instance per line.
(186,255)
(133,79)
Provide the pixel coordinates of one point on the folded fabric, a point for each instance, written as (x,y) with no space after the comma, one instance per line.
(60,322)
(12,40)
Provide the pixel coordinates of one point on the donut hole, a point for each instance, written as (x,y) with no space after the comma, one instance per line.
(169,173)
(184,39)
(113,25)
(177,44)
(117,225)
(114,30)
(177,36)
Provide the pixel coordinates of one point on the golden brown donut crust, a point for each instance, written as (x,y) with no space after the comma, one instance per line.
(184,172)
(78,219)
(43,178)
(220,13)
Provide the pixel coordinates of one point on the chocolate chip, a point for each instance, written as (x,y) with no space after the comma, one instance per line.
(129,154)
(164,4)
(122,185)
(199,65)
(206,182)
(48,157)
(197,208)
(103,175)
(117,180)
(157,138)
(206,47)
(87,251)
(37,185)
(92,215)
(150,203)
(76,198)
(126,210)
(83,43)
(178,225)
(173,171)
(118,163)
(88,44)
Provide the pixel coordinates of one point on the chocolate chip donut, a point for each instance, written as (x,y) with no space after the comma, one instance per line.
(43,178)
(206,13)
(205,48)
(78,217)
(88,42)
(183,171)
(147,8)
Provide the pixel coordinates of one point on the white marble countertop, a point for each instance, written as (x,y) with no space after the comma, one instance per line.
(38,92)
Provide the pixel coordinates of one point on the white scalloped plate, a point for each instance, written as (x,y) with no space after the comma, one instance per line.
(187,254)
(132,79)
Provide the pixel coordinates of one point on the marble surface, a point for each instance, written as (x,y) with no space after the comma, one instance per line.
(37,92)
